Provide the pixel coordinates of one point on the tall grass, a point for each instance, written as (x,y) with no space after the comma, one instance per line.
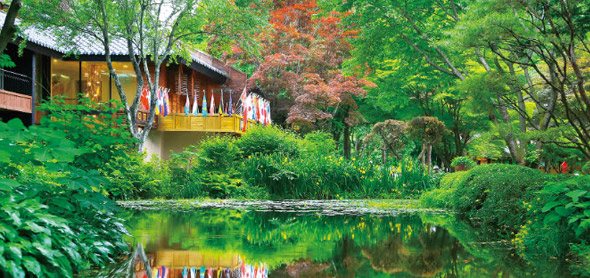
(330,177)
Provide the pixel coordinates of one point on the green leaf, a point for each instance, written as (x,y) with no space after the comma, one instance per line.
(42,154)
(35,228)
(551,218)
(14,269)
(4,156)
(583,227)
(574,219)
(32,265)
(564,211)
(15,252)
(550,205)
(576,194)
(7,185)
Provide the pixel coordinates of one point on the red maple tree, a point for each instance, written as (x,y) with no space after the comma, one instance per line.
(301,66)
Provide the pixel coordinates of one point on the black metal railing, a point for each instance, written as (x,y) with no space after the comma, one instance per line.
(15,82)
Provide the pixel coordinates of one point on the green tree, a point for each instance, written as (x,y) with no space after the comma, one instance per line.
(391,133)
(429,131)
(8,31)
(421,32)
(154,31)
(545,45)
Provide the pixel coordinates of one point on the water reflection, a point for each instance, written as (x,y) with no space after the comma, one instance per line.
(294,245)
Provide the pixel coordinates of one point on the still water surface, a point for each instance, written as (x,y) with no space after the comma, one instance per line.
(324,239)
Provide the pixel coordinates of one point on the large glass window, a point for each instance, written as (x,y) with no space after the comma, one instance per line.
(65,79)
(95,81)
(128,80)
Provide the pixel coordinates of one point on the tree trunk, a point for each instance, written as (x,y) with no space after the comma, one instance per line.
(346,141)
(384,154)
(8,29)
(429,159)
(421,155)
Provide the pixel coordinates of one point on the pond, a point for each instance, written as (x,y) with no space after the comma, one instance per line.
(320,239)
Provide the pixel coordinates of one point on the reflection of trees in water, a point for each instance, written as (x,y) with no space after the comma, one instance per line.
(347,262)
(424,255)
(303,268)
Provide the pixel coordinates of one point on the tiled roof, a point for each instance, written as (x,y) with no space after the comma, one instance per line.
(89,46)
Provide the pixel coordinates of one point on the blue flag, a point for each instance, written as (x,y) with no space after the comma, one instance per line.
(187,105)
(204,104)
(230,105)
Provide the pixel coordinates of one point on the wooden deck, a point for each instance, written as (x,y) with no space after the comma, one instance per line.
(212,123)
(15,102)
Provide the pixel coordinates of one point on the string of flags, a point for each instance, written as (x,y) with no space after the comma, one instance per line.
(245,271)
(254,107)
(162,100)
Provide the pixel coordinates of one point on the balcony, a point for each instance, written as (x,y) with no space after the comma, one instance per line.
(15,91)
(211,123)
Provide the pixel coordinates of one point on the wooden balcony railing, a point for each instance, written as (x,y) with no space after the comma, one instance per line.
(15,102)
(142,117)
(15,91)
(212,123)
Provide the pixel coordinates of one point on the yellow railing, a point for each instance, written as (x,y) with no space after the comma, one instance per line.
(211,123)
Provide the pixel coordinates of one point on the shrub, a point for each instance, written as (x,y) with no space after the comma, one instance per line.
(586,168)
(127,175)
(218,153)
(55,218)
(493,194)
(94,128)
(319,143)
(558,216)
(467,162)
(267,140)
(441,197)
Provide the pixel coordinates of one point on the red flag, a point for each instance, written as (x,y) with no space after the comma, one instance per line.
(257,109)
(145,98)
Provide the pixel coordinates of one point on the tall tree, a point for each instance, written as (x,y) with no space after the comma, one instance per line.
(420,30)
(154,31)
(8,31)
(301,69)
(545,45)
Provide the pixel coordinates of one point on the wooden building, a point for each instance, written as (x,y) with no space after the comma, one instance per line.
(45,70)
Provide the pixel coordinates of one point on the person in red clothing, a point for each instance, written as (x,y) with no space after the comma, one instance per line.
(563,167)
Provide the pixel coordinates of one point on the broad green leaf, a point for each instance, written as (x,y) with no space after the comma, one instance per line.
(4,156)
(564,211)
(42,154)
(32,265)
(550,205)
(551,218)
(15,252)
(35,228)
(576,194)
(574,219)
(7,185)
(14,269)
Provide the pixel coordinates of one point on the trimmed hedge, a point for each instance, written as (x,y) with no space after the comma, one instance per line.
(441,197)
(490,195)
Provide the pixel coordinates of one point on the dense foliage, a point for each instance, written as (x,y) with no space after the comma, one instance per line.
(55,216)
(267,162)
(542,215)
